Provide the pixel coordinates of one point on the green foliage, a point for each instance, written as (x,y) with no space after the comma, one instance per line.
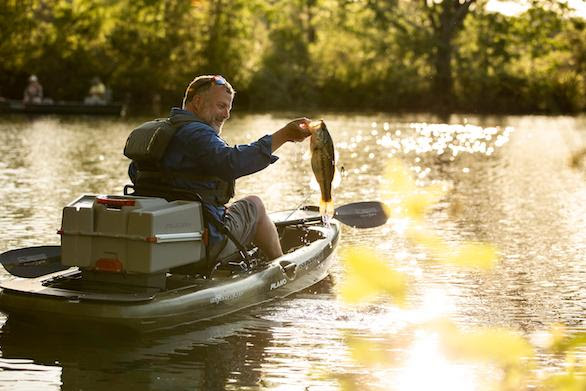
(145,51)
(285,78)
(527,63)
(304,54)
(484,62)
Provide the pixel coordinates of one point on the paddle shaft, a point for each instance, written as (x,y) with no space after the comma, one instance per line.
(298,221)
(365,214)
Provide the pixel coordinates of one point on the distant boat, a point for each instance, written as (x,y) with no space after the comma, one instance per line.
(80,108)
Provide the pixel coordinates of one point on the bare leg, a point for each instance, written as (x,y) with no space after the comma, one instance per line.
(266,236)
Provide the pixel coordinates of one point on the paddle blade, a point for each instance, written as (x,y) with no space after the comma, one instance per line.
(366,214)
(32,262)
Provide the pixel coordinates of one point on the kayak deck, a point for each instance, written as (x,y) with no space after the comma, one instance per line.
(66,296)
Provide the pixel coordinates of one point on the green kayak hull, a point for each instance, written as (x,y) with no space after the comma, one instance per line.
(184,300)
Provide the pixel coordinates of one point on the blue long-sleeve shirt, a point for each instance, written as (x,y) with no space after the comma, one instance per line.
(197,148)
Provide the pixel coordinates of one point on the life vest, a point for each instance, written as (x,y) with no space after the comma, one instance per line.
(146,146)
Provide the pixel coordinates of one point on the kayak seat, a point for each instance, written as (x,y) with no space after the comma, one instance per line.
(174,194)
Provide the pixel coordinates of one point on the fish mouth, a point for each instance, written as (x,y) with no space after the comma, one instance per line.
(315,125)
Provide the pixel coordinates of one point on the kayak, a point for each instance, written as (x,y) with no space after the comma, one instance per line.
(67,300)
(72,108)
(139,263)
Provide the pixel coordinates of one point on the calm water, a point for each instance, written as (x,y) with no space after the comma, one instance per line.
(517,182)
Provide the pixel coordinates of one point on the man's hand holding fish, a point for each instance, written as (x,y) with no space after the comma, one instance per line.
(296,130)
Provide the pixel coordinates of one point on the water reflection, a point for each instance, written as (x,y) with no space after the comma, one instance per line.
(208,357)
(509,181)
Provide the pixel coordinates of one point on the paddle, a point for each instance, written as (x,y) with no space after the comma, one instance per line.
(365,214)
(32,262)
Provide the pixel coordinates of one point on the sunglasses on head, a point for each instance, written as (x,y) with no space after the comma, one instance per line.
(219,80)
(200,85)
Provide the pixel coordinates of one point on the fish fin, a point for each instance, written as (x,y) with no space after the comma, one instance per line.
(326,208)
(337,180)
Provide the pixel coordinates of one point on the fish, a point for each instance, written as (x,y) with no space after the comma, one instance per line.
(323,164)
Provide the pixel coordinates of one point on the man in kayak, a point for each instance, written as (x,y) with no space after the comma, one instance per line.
(96,93)
(199,160)
(33,92)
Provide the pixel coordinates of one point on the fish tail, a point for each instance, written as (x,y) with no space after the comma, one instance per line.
(326,208)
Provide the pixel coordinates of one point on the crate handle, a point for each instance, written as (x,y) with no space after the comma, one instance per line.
(115,202)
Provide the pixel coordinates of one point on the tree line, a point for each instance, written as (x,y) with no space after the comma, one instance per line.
(380,55)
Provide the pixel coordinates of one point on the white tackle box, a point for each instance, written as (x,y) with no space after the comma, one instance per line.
(131,234)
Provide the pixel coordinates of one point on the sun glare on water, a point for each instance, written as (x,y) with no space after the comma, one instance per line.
(426,368)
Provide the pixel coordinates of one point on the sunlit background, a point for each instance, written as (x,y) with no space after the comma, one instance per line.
(517,7)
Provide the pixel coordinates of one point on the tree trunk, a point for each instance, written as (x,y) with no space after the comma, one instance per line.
(446,24)
(443,80)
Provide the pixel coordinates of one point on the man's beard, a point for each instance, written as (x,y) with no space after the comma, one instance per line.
(219,127)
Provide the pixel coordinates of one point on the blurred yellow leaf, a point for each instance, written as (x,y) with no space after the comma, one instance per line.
(398,178)
(572,379)
(470,254)
(354,382)
(368,275)
(348,382)
(435,245)
(496,345)
(419,201)
(415,205)
(354,289)
(557,338)
(367,353)
(409,199)
(562,343)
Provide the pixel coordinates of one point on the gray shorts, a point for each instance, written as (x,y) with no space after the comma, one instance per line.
(241,220)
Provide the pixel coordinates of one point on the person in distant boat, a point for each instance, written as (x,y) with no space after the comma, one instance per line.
(97,93)
(199,160)
(33,93)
